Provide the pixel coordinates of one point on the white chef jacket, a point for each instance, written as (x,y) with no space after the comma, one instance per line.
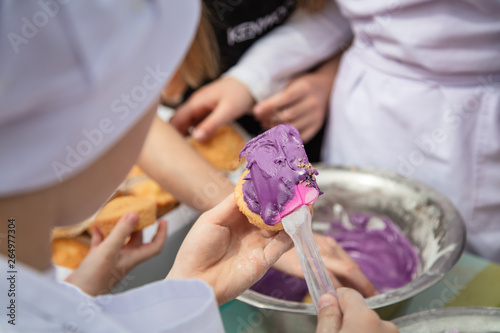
(75,76)
(418,93)
(43,305)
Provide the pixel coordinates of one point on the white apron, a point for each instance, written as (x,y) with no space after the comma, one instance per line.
(394,110)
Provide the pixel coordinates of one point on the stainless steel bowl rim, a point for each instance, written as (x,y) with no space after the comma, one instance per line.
(449,312)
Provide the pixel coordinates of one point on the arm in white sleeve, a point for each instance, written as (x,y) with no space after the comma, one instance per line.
(299,44)
(42,304)
(165,306)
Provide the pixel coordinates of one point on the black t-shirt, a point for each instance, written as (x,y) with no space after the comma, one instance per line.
(237,24)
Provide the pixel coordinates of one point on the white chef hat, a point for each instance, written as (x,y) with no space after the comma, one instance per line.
(76,75)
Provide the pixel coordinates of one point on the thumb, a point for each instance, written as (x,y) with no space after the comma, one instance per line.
(329,316)
(123,228)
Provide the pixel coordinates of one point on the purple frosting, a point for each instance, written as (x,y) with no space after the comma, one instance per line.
(384,254)
(277,162)
(283,286)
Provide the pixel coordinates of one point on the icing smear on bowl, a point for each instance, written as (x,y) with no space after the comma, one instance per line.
(383,252)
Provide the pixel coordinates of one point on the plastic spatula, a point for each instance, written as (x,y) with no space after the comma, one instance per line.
(298,226)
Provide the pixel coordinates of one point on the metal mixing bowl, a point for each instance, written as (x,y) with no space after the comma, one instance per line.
(461,319)
(425,216)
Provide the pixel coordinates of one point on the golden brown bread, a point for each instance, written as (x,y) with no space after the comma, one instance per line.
(137,184)
(140,185)
(71,231)
(69,252)
(242,205)
(109,215)
(222,150)
(149,189)
(135,172)
(307,299)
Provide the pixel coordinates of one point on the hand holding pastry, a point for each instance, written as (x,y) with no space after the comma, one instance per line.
(227,252)
(212,106)
(342,269)
(110,259)
(349,314)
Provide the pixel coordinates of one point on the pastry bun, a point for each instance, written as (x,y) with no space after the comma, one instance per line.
(109,215)
(242,205)
(222,150)
(70,252)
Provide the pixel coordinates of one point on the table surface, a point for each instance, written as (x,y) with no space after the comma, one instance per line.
(473,281)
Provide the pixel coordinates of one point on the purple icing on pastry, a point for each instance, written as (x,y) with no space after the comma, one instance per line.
(382,251)
(281,177)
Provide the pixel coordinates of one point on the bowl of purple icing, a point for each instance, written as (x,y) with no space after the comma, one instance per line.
(404,235)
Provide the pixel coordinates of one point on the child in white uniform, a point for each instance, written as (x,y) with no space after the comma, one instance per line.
(70,130)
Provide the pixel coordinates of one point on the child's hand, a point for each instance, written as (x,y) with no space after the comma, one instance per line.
(349,314)
(227,251)
(212,106)
(110,259)
(342,269)
(303,103)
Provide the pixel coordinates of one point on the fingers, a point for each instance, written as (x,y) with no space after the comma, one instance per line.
(351,301)
(388,327)
(218,103)
(135,239)
(289,263)
(307,134)
(279,244)
(146,251)
(349,313)
(336,283)
(303,112)
(225,213)
(329,316)
(348,274)
(221,115)
(356,314)
(123,229)
(191,113)
(288,115)
(267,108)
(358,281)
(338,262)
(357,317)
(97,237)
